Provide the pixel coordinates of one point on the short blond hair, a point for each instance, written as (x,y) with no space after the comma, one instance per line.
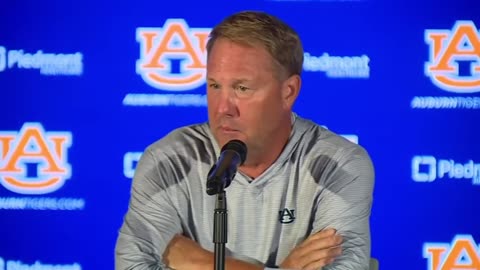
(255,28)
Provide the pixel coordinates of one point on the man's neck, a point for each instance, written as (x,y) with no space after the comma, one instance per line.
(259,161)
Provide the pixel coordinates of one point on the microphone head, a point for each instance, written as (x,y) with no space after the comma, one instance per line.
(237,146)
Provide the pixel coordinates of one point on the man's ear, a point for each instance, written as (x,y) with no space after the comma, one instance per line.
(290,90)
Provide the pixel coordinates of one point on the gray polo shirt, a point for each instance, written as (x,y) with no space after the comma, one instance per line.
(320,180)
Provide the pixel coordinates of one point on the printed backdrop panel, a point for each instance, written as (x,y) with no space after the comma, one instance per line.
(86,87)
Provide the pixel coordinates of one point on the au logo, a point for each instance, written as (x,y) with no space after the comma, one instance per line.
(462,253)
(454,63)
(173,57)
(33,161)
(286,215)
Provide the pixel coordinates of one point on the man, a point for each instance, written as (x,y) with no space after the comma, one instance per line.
(302,198)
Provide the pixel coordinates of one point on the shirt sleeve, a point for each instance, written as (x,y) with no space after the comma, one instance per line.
(345,205)
(151,220)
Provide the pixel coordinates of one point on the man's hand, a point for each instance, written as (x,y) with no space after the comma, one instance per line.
(316,251)
(182,253)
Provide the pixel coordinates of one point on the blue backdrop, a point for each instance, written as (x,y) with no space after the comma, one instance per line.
(86,86)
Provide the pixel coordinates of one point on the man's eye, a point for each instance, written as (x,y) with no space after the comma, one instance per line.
(214,86)
(242,88)
(243,91)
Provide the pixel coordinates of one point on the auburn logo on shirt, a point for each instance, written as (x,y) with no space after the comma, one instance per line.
(286,215)
(454,63)
(462,253)
(33,161)
(173,57)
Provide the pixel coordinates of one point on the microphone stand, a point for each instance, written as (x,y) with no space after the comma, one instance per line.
(220,230)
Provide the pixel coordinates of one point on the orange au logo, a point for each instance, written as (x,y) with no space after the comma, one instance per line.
(462,253)
(454,63)
(33,161)
(173,57)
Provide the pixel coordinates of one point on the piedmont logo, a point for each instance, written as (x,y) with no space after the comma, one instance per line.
(49,64)
(3,58)
(130,161)
(172,58)
(19,265)
(33,161)
(461,253)
(453,66)
(430,168)
(338,66)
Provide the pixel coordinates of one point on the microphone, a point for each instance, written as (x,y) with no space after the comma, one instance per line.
(232,155)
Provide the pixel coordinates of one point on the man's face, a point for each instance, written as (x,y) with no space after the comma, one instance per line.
(246,99)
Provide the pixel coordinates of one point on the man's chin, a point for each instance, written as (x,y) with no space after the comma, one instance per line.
(225,138)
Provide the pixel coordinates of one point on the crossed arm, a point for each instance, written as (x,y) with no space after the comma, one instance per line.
(315,252)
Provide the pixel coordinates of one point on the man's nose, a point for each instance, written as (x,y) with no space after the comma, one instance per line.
(226,103)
